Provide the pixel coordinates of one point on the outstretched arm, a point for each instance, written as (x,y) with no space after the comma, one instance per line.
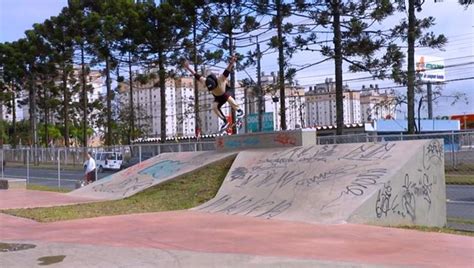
(198,77)
(186,65)
(227,70)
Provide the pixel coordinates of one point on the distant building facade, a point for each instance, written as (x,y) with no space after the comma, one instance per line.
(376,105)
(321,105)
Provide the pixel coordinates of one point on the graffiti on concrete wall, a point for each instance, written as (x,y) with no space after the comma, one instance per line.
(162,169)
(404,201)
(124,187)
(283,176)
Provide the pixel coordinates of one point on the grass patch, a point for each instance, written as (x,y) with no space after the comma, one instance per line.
(438,230)
(46,188)
(185,192)
(460,179)
(462,221)
(460,169)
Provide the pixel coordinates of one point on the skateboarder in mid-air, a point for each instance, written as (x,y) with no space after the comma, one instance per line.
(217,87)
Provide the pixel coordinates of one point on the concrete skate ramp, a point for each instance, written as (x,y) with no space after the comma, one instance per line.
(148,173)
(384,184)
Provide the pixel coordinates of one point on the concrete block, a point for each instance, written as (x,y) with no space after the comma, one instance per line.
(9,183)
(288,138)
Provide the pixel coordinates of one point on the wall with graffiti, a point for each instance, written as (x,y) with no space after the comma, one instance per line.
(266,140)
(380,183)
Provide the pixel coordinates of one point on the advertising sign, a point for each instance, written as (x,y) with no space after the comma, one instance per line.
(430,69)
(252,122)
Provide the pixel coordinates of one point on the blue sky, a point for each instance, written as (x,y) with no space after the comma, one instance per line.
(454,21)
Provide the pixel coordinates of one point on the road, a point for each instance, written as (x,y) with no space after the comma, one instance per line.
(49,177)
(460,202)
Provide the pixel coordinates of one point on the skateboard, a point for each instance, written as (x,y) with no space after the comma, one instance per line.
(237,124)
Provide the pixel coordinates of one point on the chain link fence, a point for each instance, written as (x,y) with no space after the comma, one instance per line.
(458,146)
(64,167)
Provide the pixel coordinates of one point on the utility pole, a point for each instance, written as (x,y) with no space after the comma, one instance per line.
(84,100)
(430,100)
(261,107)
(197,121)
(231,52)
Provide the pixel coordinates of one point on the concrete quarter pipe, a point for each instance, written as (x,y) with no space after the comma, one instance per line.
(148,173)
(395,183)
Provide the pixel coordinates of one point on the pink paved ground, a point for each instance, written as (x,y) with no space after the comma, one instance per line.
(20,198)
(218,233)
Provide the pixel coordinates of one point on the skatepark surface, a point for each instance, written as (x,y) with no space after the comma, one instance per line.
(290,207)
(196,239)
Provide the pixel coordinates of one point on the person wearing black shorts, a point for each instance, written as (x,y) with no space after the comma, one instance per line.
(217,86)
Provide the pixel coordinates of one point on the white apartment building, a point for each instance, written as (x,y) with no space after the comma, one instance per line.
(147,106)
(294,103)
(321,105)
(376,105)
(185,117)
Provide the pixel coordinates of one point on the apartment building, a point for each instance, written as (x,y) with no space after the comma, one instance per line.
(376,104)
(147,105)
(321,105)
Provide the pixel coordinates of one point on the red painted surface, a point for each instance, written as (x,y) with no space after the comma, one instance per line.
(219,233)
(285,139)
(18,198)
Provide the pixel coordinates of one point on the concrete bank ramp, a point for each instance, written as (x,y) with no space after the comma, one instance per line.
(148,173)
(394,183)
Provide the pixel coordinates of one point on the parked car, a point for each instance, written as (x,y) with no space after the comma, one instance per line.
(108,160)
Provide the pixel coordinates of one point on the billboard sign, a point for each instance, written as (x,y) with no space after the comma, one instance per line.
(430,69)
(252,122)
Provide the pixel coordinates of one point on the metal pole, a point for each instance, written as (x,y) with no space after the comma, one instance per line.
(59,168)
(261,106)
(28,166)
(1,163)
(452,150)
(139,153)
(430,100)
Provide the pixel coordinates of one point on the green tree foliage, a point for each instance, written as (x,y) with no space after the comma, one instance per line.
(357,40)
(413,31)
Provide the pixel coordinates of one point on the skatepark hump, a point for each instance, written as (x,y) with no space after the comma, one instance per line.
(148,173)
(394,183)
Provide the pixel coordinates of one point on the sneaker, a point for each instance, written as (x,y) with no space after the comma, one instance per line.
(224,126)
(240,113)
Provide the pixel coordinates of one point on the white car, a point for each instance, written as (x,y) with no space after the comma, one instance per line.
(108,160)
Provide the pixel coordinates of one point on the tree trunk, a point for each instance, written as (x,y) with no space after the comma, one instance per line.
(281,65)
(162,76)
(411,67)
(338,68)
(131,135)
(84,101)
(108,140)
